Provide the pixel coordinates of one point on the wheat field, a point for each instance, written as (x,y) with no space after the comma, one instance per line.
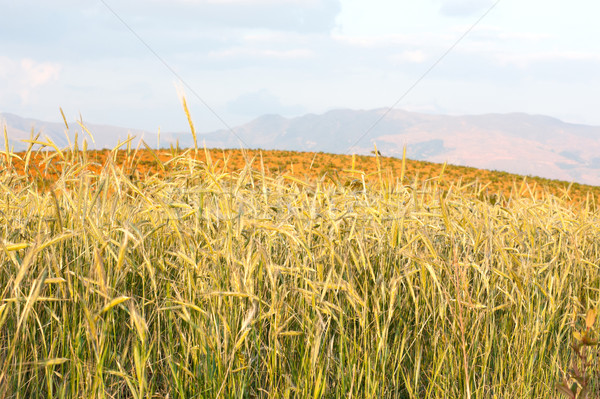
(205,283)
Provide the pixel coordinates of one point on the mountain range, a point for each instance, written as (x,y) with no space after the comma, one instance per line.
(516,142)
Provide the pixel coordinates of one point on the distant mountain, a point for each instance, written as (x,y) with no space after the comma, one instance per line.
(104,136)
(517,143)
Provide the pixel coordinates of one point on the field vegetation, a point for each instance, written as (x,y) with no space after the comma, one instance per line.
(203,274)
(140,160)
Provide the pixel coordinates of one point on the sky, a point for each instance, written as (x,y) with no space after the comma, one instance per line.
(239,59)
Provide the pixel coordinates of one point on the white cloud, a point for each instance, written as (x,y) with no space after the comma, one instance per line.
(285,15)
(492,33)
(415,56)
(279,37)
(461,8)
(523,60)
(25,75)
(260,53)
(244,2)
(39,73)
(412,40)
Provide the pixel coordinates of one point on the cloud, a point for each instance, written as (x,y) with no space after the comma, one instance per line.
(415,56)
(39,73)
(260,53)
(171,28)
(288,15)
(495,34)
(463,8)
(25,75)
(523,60)
(261,102)
(244,2)
(388,40)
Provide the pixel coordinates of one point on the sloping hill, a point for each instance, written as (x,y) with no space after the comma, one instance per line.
(517,143)
(308,167)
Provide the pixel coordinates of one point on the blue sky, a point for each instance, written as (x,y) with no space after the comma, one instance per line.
(246,58)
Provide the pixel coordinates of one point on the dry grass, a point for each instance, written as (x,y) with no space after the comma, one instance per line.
(204,281)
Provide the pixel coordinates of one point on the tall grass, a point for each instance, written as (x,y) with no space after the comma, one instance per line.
(208,284)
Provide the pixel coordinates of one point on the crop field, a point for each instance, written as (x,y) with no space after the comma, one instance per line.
(139,163)
(243,274)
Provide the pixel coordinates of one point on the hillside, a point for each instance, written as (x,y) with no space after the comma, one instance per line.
(311,166)
(515,143)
